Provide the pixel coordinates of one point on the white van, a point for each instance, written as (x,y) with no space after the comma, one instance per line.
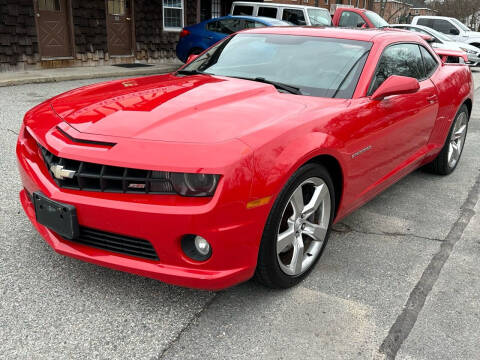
(295,14)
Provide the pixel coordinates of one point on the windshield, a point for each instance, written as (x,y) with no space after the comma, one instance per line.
(319,17)
(316,66)
(460,24)
(376,19)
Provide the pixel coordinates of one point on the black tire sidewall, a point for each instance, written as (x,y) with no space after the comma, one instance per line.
(268,253)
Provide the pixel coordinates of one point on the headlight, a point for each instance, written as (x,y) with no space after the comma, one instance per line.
(188,184)
(468,51)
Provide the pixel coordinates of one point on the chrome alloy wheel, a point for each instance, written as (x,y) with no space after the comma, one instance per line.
(303,226)
(457,139)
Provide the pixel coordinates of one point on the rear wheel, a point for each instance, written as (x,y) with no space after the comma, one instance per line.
(297,228)
(448,158)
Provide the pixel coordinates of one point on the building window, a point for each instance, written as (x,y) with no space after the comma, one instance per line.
(216,8)
(172,14)
(49,5)
(116,7)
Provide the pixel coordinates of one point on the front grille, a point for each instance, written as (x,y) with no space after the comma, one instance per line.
(96,177)
(116,243)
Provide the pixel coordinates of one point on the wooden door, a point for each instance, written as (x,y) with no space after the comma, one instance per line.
(119,27)
(53,27)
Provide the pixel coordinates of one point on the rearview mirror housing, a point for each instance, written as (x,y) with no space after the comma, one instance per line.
(396,85)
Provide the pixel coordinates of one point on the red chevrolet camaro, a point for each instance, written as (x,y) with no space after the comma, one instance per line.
(237,165)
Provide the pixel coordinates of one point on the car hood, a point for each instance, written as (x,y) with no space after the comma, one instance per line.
(197,109)
(472,35)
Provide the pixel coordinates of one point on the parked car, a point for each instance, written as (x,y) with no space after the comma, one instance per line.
(357,18)
(451,27)
(196,38)
(441,41)
(294,14)
(238,164)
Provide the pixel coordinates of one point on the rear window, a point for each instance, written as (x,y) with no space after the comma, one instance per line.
(242,10)
(267,12)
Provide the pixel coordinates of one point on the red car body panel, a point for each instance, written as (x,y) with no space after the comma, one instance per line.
(249,133)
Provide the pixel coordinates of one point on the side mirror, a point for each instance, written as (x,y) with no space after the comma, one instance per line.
(429,39)
(191,57)
(396,85)
(454,31)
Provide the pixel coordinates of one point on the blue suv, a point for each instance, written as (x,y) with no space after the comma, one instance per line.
(197,38)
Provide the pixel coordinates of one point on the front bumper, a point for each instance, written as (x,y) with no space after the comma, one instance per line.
(233,231)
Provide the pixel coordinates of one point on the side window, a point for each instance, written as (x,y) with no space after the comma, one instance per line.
(250,24)
(429,61)
(267,11)
(351,19)
(214,26)
(230,26)
(401,60)
(443,26)
(296,17)
(242,10)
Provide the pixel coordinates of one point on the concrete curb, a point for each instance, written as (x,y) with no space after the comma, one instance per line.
(94,74)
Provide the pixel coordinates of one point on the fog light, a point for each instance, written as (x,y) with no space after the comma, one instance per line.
(196,247)
(202,245)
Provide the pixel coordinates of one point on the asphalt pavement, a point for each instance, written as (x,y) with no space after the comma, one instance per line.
(398,279)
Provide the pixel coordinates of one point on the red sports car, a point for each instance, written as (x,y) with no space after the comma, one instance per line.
(237,165)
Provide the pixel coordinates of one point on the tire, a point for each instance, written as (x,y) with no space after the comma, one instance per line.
(449,157)
(296,229)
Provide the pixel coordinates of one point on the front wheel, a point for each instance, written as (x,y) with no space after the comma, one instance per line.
(448,158)
(297,228)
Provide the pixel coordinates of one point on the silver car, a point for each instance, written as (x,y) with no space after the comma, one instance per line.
(444,42)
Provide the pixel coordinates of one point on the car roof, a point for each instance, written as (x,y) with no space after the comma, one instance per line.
(263,19)
(259,18)
(432,17)
(277,5)
(340,33)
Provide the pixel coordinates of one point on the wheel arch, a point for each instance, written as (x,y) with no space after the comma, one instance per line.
(469,104)
(335,170)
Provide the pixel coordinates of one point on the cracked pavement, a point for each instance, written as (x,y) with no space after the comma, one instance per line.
(398,279)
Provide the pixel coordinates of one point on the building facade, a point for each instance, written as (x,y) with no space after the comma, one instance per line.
(37,34)
(55,33)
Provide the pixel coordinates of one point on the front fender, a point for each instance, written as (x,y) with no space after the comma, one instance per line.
(277,161)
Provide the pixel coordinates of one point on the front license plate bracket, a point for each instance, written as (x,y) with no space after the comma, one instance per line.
(58,217)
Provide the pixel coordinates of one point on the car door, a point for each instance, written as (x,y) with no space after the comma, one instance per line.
(395,130)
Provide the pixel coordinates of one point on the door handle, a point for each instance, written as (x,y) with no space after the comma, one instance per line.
(432,99)
(38,14)
(129,19)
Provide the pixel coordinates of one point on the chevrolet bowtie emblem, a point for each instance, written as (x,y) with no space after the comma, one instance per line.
(60,173)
